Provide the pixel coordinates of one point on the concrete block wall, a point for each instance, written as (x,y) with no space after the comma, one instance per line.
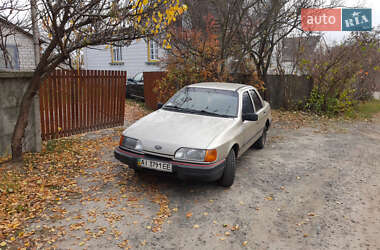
(12,88)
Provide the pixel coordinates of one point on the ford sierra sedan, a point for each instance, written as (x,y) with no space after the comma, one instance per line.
(199,133)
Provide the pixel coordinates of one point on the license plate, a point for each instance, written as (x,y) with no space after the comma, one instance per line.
(156,165)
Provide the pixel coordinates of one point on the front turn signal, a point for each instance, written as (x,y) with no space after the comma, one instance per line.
(211,155)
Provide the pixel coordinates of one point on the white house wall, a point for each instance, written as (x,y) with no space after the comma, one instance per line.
(25,49)
(135,58)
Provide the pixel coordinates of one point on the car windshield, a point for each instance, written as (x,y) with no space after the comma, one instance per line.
(204,101)
(138,77)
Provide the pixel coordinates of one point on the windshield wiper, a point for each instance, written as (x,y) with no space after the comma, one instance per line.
(173,107)
(194,111)
(211,113)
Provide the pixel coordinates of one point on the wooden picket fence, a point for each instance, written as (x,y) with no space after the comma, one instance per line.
(74,102)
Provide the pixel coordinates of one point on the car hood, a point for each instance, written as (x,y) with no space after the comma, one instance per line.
(173,130)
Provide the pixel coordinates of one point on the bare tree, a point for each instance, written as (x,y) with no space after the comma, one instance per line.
(299,46)
(69,25)
(268,23)
(249,30)
(344,72)
(227,17)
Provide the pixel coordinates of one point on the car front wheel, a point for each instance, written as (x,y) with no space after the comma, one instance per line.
(228,176)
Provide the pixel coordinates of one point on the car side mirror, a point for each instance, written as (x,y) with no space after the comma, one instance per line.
(250,117)
(159,105)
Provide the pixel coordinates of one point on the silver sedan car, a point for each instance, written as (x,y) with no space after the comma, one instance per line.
(199,133)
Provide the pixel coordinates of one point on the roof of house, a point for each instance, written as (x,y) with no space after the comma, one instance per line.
(16,27)
(293,45)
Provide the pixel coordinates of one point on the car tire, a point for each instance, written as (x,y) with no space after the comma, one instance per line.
(260,143)
(228,176)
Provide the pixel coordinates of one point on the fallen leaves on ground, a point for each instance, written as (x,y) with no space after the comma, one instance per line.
(297,119)
(164,212)
(134,110)
(50,179)
(47,179)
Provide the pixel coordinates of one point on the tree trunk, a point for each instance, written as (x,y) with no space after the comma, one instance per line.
(22,120)
(27,99)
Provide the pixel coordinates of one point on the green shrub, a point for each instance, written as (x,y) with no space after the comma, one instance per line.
(319,103)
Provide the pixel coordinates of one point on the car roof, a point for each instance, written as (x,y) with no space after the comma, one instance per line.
(219,85)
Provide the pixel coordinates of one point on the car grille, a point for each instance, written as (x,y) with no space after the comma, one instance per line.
(157,156)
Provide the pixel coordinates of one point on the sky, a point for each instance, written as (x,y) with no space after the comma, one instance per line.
(335,36)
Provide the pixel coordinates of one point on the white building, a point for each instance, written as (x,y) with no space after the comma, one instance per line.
(140,56)
(19,45)
(288,53)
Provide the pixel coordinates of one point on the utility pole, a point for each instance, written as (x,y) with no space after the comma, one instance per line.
(37,55)
(36,33)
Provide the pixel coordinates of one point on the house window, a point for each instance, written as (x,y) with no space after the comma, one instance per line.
(117,53)
(152,51)
(13,60)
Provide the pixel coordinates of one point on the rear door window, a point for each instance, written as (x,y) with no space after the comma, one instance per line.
(256,100)
(247,104)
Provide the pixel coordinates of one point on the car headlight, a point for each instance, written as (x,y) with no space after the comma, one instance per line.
(192,154)
(128,142)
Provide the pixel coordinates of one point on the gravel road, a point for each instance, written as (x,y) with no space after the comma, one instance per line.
(310,188)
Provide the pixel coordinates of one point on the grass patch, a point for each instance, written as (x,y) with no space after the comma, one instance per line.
(365,110)
(59,145)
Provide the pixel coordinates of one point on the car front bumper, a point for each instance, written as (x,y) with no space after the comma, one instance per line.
(183,170)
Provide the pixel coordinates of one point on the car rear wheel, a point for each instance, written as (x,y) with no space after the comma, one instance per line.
(260,144)
(228,176)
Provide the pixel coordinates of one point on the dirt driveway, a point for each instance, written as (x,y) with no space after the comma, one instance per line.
(310,188)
